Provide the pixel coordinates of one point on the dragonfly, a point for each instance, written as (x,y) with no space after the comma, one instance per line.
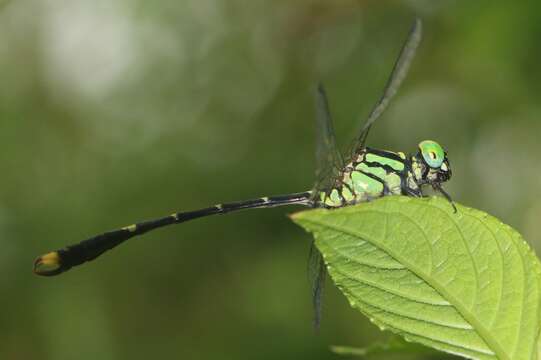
(367,174)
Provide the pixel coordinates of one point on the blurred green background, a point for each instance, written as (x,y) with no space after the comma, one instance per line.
(117,111)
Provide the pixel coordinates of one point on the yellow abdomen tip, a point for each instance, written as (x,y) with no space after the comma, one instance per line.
(47,264)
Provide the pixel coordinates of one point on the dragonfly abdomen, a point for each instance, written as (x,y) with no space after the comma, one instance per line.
(59,261)
(371,174)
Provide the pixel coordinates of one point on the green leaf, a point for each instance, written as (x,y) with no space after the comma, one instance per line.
(462,282)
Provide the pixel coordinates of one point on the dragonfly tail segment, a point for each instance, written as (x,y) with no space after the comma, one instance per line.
(59,261)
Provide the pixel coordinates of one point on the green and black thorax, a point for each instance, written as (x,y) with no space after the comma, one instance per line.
(373,173)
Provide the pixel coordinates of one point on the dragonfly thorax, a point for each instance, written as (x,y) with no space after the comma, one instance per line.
(374,173)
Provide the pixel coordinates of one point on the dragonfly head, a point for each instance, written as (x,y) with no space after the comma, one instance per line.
(436,167)
(431,167)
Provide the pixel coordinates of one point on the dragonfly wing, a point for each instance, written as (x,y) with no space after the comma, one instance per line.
(318,273)
(328,158)
(398,74)
(329,164)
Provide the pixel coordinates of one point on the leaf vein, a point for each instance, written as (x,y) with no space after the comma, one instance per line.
(500,252)
(368,264)
(524,285)
(427,321)
(400,329)
(392,291)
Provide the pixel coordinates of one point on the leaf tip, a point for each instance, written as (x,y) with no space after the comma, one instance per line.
(298,216)
(295,216)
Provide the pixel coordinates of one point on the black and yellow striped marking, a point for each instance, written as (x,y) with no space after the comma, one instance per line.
(57,262)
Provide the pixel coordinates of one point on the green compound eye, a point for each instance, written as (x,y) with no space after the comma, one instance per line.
(432,153)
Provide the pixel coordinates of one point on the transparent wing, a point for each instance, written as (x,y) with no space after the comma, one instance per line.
(328,167)
(329,161)
(317,273)
(398,74)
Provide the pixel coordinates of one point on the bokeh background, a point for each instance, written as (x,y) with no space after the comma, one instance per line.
(117,111)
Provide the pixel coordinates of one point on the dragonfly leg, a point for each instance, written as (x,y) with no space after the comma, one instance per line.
(438,188)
